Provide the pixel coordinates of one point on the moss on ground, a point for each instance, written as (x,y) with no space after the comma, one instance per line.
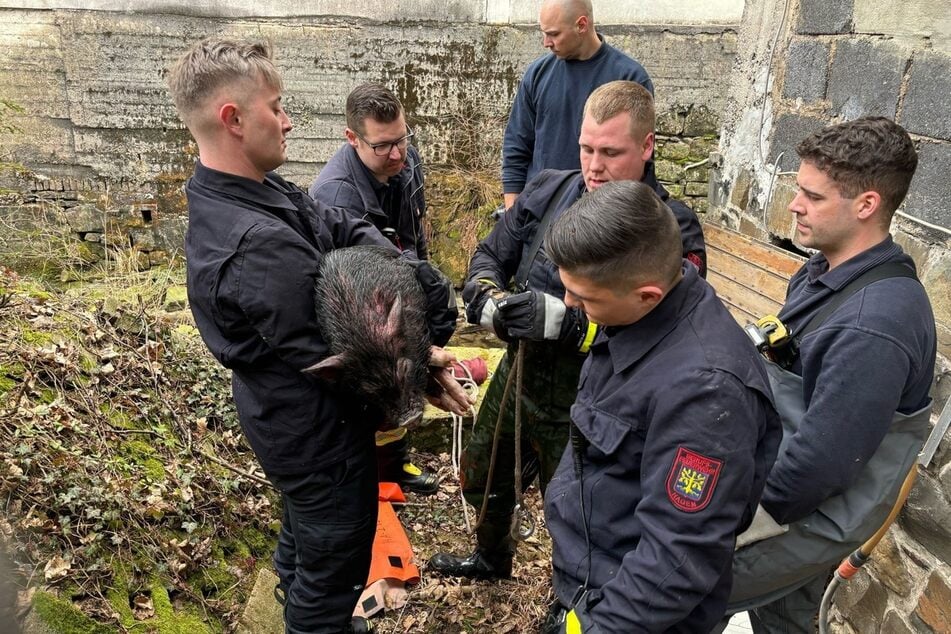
(62,617)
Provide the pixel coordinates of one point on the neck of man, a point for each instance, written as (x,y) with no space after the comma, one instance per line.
(862,242)
(230,161)
(592,44)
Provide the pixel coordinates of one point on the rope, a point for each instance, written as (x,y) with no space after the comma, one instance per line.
(470,386)
(495,441)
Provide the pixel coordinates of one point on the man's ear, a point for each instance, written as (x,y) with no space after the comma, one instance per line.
(351,137)
(329,369)
(231,118)
(867,204)
(651,294)
(582,24)
(648,147)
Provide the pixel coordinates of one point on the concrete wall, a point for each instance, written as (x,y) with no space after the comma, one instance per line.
(837,60)
(97,117)
(725,12)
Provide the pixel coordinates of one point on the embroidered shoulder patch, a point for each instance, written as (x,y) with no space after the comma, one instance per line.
(692,480)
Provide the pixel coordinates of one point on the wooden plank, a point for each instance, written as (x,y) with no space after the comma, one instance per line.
(767,283)
(761,254)
(742,298)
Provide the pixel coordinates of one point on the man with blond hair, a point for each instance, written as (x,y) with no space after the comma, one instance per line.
(546,115)
(253,246)
(617,141)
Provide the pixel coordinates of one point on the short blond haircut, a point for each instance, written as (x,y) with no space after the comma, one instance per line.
(615,97)
(213,64)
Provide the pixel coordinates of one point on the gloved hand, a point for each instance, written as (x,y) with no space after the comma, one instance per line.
(543,317)
(481,297)
(441,311)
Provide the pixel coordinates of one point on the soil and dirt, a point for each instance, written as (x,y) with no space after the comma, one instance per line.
(130,499)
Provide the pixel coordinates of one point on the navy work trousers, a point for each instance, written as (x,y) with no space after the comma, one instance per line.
(325,545)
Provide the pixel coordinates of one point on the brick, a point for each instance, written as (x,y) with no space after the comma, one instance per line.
(936,277)
(934,606)
(807,70)
(779,220)
(927,517)
(741,194)
(865,78)
(864,604)
(929,197)
(701,121)
(789,130)
(824,16)
(667,172)
(890,566)
(696,189)
(674,150)
(671,122)
(894,624)
(928,99)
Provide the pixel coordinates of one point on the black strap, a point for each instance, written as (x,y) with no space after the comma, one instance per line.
(521,275)
(880,272)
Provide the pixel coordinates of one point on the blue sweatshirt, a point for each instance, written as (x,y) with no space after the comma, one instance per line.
(545,122)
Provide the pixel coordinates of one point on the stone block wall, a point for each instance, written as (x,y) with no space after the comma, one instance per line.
(837,60)
(96,109)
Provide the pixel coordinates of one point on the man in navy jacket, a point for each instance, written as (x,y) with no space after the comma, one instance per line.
(377,175)
(617,140)
(254,243)
(852,389)
(672,432)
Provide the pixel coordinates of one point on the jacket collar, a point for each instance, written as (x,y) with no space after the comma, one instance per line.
(817,267)
(367,183)
(270,193)
(629,344)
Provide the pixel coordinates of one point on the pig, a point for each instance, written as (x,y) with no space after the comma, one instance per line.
(372,312)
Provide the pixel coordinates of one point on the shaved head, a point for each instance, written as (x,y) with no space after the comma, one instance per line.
(570,10)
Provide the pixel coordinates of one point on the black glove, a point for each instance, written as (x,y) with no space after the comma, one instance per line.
(441,311)
(542,317)
(481,297)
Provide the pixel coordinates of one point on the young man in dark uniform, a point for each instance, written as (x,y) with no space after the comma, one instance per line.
(852,387)
(616,143)
(673,430)
(253,246)
(377,175)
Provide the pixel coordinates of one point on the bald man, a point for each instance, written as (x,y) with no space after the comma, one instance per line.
(545,120)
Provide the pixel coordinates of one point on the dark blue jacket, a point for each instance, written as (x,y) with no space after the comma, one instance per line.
(872,357)
(498,256)
(545,121)
(347,183)
(678,433)
(253,250)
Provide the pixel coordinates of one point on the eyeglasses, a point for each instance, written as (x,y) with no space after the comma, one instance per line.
(384,149)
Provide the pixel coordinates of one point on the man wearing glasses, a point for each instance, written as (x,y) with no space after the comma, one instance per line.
(378,176)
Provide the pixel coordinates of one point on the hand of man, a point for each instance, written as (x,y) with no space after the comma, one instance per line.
(482,297)
(449,394)
(534,316)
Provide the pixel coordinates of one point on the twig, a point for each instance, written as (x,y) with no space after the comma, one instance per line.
(231,467)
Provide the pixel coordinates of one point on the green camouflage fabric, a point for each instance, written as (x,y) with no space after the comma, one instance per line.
(549,386)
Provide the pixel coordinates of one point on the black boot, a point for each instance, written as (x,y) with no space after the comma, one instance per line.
(418,481)
(479,565)
(360,625)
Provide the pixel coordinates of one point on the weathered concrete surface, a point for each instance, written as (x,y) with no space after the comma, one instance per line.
(491,11)
(807,70)
(909,19)
(262,613)
(92,83)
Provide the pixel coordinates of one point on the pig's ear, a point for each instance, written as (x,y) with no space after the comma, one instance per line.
(393,319)
(328,369)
